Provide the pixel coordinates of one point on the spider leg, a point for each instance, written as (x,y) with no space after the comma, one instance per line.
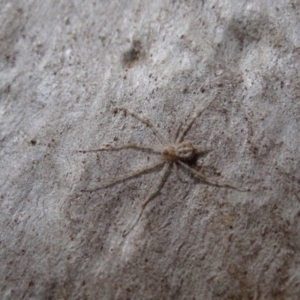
(190,123)
(201,149)
(175,134)
(126,146)
(148,123)
(297,196)
(162,179)
(179,175)
(209,181)
(124,177)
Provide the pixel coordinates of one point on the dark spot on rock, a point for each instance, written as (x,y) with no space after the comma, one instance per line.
(134,54)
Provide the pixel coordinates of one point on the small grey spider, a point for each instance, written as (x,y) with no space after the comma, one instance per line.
(178,152)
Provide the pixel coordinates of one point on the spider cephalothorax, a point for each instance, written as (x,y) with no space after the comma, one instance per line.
(178,152)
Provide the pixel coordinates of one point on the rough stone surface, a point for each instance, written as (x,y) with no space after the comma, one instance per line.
(64,68)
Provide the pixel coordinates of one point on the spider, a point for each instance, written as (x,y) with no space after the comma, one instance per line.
(178,152)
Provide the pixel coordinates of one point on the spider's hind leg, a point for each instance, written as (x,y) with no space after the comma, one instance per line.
(161,181)
(178,174)
(209,181)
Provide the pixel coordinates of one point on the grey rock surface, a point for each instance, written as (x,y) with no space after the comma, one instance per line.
(65,69)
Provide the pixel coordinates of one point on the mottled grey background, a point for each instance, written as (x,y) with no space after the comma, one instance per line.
(64,67)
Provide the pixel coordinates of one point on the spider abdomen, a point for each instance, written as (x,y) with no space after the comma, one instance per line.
(185,151)
(182,151)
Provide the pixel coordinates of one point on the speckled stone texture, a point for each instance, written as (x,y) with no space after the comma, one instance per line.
(65,68)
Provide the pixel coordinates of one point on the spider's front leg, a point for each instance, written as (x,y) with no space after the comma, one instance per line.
(189,124)
(146,122)
(126,176)
(115,148)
